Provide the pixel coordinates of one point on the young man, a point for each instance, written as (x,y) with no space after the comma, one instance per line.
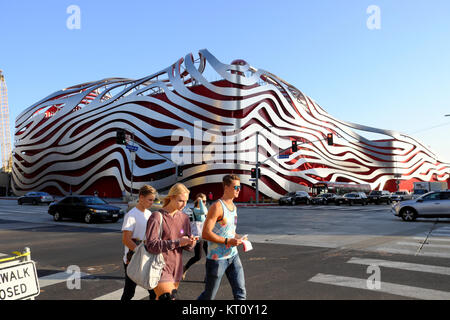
(220,231)
(133,233)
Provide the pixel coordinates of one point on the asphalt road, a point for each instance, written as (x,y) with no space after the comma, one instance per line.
(301,252)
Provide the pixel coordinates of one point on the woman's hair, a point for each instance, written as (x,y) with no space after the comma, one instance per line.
(176,189)
(199,195)
(146,189)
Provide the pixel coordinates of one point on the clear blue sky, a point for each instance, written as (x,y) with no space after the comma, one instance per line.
(397,77)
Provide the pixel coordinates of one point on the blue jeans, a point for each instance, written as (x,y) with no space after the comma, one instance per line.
(215,269)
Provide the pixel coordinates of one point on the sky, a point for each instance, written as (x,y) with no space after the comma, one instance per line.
(387,67)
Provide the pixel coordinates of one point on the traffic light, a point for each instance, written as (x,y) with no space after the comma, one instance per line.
(294,146)
(330,139)
(180,171)
(253,173)
(120,136)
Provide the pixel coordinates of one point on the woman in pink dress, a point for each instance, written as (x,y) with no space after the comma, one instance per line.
(176,236)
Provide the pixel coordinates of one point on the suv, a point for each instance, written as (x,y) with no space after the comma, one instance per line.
(353,198)
(380,196)
(431,205)
(293,198)
(324,198)
(400,196)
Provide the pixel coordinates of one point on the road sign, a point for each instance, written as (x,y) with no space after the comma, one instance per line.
(19,281)
(283,156)
(132,148)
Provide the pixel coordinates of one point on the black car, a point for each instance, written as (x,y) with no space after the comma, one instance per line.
(353,198)
(380,196)
(293,198)
(88,208)
(35,198)
(324,198)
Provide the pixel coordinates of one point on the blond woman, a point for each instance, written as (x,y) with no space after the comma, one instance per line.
(176,236)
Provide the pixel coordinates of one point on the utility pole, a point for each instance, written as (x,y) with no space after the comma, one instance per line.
(257,169)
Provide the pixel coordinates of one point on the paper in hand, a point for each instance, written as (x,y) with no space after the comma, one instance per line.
(247,245)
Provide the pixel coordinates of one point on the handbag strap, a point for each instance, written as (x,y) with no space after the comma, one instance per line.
(160,225)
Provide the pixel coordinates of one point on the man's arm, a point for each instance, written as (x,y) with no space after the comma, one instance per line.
(126,240)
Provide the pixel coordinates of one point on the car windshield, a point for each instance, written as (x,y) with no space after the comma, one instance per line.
(400,192)
(93,200)
(375,193)
(420,191)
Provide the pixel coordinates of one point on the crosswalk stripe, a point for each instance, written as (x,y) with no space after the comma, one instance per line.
(140,294)
(402,265)
(386,287)
(429,245)
(412,252)
(56,278)
(432,238)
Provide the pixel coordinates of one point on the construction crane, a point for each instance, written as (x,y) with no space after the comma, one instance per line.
(5,134)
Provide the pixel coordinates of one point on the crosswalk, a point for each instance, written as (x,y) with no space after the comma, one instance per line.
(435,243)
(390,287)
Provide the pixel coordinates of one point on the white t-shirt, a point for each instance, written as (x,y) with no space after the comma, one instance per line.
(136,221)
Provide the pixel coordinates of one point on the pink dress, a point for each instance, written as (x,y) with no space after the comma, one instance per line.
(173,228)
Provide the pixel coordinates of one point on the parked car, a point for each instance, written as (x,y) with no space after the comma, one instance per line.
(293,198)
(88,208)
(400,196)
(379,196)
(36,198)
(324,198)
(431,205)
(353,198)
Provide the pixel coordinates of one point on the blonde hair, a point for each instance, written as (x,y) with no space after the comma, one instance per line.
(176,189)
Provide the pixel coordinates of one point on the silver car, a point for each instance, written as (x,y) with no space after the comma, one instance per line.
(431,205)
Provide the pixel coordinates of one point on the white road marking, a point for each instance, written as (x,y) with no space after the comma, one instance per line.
(56,278)
(402,265)
(386,287)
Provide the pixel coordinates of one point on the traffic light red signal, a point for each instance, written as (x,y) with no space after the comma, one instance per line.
(294,146)
(330,139)
(253,173)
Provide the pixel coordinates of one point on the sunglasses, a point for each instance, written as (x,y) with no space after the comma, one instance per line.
(237,188)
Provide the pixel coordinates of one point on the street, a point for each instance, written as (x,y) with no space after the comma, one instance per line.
(300,252)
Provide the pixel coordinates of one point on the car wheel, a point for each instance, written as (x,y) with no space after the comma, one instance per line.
(350,203)
(57,216)
(19,203)
(34,202)
(88,218)
(408,214)
(292,202)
